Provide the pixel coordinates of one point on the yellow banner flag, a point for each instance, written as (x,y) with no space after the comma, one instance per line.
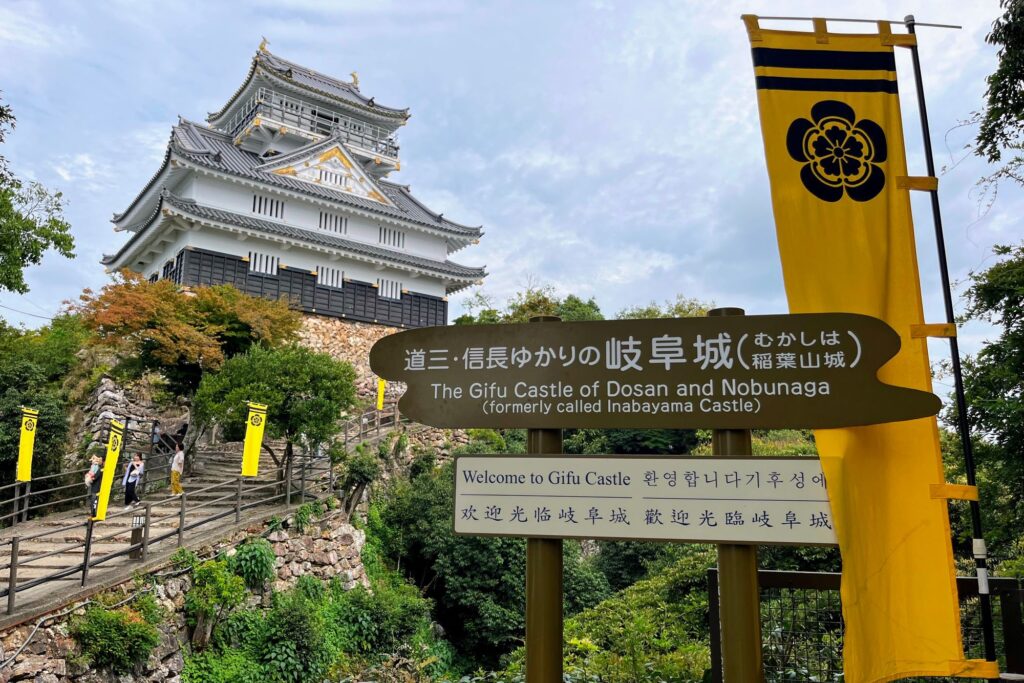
(255,423)
(114,444)
(833,140)
(29,422)
(381,385)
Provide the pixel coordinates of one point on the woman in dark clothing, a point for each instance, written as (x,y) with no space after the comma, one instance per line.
(132,480)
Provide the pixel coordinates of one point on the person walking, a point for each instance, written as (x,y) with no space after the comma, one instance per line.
(132,481)
(92,482)
(177,468)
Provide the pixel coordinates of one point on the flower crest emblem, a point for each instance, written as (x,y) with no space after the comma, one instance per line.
(840,153)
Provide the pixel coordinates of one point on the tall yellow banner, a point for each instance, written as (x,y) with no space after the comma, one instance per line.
(833,140)
(255,423)
(29,422)
(114,444)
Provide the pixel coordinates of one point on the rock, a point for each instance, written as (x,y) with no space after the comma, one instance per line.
(26,665)
(46,677)
(277,536)
(158,675)
(172,588)
(175,663)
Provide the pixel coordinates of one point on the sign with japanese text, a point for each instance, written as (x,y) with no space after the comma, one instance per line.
(731,372)
(696,499)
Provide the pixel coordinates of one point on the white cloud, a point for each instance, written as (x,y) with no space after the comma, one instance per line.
(82,169)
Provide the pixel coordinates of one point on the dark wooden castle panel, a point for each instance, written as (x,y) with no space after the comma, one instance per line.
(356,300)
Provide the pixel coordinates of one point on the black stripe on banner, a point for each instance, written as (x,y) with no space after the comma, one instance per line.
(826,84)
(824,59)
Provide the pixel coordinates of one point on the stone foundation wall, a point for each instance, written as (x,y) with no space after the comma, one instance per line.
(108,401)
(349,341)
(330,548)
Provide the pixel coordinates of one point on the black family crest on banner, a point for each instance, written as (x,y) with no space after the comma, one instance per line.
(840,153)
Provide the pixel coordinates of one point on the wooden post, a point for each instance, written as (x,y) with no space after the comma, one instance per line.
(12,578)
(544,578)
(740,598)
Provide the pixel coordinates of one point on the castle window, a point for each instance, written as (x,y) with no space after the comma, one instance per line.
(389,289)
(330,277)
(264,264)
(332,222)
(265,206)
(391,237)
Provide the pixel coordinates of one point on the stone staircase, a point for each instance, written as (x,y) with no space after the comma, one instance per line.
(50,551)
(58,558)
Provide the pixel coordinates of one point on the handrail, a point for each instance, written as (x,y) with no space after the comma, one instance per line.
(312,478)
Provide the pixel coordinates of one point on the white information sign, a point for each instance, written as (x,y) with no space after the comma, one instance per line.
(662,498)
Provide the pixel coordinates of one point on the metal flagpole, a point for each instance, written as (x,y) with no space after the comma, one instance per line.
(963,427)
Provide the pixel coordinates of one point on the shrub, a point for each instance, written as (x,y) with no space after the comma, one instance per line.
(244,630)
(310,587)
(378,622)
(306,514)
(183,557)
(214,592)
(295,650)
(148,608)
(653,631)
(230,666)
(114,639)
(254,562)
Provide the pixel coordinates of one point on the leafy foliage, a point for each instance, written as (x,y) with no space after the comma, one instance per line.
(528,303)
(994,382)
(254,562)
(295,648)
(23,383)
(305,393)
(681,307)
(314,629)
(228,666)
(31,221)
(305,514)
(215,590)
(115,639)
(1002,121)
(476,582)
(155,326)
(650,632)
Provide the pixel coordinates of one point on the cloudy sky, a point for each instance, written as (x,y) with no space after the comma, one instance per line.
(610,149)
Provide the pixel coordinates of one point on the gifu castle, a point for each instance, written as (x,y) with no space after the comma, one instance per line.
(283,194)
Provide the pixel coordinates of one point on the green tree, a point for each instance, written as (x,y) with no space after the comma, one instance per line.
(476,582)
(31,221)
(305,393)
(994,380)
(528,303)
(25,384)
(1002,119)
(681,307)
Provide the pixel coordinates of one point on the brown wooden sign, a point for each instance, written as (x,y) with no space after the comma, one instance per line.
(732,372)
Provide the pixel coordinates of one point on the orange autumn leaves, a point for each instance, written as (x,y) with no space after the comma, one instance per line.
(182,332)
